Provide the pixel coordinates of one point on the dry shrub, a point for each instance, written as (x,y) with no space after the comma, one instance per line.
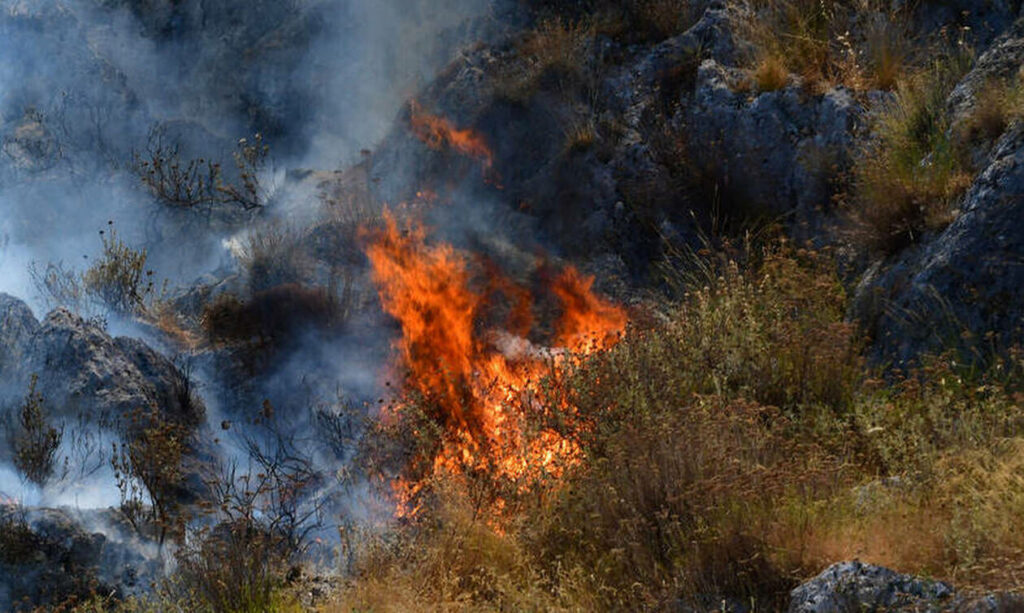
(908,179)
(771,74)
(656,20)
(200,183)
(33,440)
(119,279)
(833,42)
(767,323)
(683,502)
(272,316)
(730,449)
(581,134)
(452,560)
(556,49)
(685,489)
(256,526)
(149,474)
(997,105)
(886,54)
(274,255)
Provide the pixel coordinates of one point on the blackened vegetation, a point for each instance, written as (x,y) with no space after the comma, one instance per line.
(201,183)
(42,566)
(260,521)
(268,320)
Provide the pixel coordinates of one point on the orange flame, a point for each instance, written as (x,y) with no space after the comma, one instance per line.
(476,380)
(439,133)
(588,322)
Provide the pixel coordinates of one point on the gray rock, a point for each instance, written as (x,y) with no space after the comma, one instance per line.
(775,151)
(17,325)
(30,145)
(83,371)
(963,287)
(854,587)
(50,555)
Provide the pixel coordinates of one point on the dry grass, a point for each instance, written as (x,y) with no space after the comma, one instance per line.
(732,445)
(581,134)
(274,254)
(771,74)
(832,42)
(996,106)
(908,179)
(555,50)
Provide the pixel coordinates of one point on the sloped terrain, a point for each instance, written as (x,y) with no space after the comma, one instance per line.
(511,305)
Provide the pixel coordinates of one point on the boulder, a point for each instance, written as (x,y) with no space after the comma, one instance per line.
(963,288)
(83,371)
(48,556)
(852,587)
(17,326)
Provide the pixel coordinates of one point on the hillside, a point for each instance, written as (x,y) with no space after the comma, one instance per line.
(405,305)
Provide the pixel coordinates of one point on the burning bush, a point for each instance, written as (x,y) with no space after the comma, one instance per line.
(472,388)
(674,483)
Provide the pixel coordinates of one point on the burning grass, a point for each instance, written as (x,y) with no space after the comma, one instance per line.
(725,447)
(728,450)
(471,389)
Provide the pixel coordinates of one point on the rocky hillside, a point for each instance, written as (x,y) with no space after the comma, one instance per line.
(511,305)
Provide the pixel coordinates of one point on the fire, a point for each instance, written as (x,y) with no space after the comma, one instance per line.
(588,322)
(478,383)
(439,134)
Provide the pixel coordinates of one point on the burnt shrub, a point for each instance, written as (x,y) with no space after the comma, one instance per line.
(271,316)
